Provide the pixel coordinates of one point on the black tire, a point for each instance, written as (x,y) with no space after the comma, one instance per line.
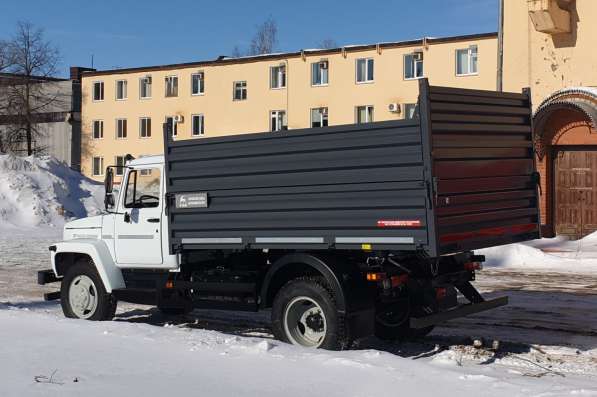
(400,329)
(106,304)
(337,335)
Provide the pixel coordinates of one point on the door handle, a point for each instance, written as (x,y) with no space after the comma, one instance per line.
(153,220)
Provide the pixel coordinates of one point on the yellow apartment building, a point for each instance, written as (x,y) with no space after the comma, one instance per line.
(547,45)
(123,110)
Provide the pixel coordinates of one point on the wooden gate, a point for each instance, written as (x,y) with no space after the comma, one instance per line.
(576,192)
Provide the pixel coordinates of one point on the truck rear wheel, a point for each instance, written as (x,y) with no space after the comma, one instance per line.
(304,313)
(83,295)
(393,322)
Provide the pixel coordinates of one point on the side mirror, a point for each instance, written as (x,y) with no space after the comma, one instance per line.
(109,180)
(109,201)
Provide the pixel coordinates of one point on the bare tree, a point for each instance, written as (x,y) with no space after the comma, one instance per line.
(327,44)
(29,94)
(264,41)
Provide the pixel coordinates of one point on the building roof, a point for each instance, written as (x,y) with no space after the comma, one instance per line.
(224,60)
(15,76)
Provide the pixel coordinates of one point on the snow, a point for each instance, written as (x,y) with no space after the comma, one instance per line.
(550,254)
(42,193)
(119,358)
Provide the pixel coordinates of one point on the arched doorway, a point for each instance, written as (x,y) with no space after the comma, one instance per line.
(566,146)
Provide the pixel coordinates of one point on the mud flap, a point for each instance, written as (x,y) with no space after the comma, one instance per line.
(460,311)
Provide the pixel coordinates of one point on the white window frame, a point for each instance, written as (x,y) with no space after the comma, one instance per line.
(369,116)
(415,77)
(275,114)
(141,82)
(321,117)
(169,81)
(244,88)
(119,171)
(102,91)
(201,84)
(125,130)
(472,49)
(101,166)
(281,76)
(356,70)
(416,110)
(124,90)
(174,126)
(322,84)
(141,119)
(201,118)
(101,124)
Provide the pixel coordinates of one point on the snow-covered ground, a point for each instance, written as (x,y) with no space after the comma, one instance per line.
(547,334)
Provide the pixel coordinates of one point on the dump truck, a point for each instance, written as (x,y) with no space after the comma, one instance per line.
(341,232)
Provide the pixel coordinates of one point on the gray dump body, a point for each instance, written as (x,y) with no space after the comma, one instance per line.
(461,176)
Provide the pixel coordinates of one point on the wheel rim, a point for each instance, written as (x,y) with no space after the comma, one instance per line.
(305,323)
(82,296)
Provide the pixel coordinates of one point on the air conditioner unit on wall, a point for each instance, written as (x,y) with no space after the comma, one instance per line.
(394,107)
(179,118)
(148,79)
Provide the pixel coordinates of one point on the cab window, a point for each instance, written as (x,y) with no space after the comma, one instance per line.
(143,188)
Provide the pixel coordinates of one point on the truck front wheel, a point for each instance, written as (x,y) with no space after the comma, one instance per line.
(82,294)
(304,313)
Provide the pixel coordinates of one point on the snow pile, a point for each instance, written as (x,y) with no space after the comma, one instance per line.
(553,254)
(43,192)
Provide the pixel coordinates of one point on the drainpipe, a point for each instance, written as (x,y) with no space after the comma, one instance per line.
(500,60)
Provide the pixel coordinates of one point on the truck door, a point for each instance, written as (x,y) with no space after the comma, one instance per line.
(137,231)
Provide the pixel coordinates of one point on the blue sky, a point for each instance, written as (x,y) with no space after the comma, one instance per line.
(126,33)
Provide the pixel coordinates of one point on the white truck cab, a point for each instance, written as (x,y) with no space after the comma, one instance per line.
(130,234)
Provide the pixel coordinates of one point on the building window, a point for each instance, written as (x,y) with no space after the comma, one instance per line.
(171,86)
(121,90)
(364,114)
(98,166)
(278,121)
(365,70)
(320,72)
(98,91)
(98,129)
(319,117)
(197,83)
(277,76)
(411,111)
(145,127)
(240,90)
(466,61)
(119,161)
(413,65)
(145,87)
(121,129)
(197,125)
(172,122)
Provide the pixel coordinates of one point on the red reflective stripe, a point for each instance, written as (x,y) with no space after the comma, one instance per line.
(490,232)
(398,223)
